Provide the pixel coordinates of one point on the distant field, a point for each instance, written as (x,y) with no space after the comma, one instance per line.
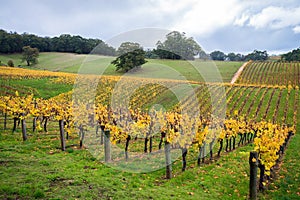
(174,69)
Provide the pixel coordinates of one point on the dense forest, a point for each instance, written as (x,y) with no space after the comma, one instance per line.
(293,55)
(12,42)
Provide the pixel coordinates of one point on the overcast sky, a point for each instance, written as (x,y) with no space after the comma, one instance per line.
(226,25)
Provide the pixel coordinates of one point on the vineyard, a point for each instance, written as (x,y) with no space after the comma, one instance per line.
(271,73)
(123,119)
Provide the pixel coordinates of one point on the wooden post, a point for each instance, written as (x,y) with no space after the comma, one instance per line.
(211,149)
(62,135)
(199,156)
(126,146)
(45,124)
(15,124)
(253,161)
(23,123)
(34,118)
(261,186)
(145,144)
(81,136)
(168,160)
(226,148)
(107,152)
(203,152)
(184,153)
(151,144)
(221,147)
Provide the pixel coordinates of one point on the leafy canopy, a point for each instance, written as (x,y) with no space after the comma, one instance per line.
(126,47)
(293,55)
(130,60)
(217,55)
(30,55)
(177,46)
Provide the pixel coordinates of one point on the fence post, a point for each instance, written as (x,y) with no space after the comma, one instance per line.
(203,152)
(62,135)
(253,161)
(107,151)
(168,160)
(221,147)
(211,149)
(23,122)
(184,153)
(126,146)
(261,186)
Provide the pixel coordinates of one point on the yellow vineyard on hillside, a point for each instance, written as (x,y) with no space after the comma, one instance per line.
(267,113)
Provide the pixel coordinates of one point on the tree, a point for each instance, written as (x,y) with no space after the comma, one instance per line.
(30,55)
(293,55)
(177,46)
(10,63)
(126,47)
(13,43)
(151,54)
(257,55)
(235,57)
(130,60)
(217,55)
(203,55)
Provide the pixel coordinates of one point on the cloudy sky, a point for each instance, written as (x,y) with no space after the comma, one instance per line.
(226,25)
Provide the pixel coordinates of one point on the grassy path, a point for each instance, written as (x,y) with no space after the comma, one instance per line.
(238,73)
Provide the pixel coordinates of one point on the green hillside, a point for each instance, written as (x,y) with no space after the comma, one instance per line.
(190,70)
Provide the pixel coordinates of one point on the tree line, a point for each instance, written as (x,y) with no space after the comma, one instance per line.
(219,55)
(12,42)
(176,46)
(293,55)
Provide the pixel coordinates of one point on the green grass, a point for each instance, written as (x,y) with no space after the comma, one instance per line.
(175,69)
(38,169)
(42,88)
(16,58)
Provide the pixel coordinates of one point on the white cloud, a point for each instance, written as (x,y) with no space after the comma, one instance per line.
(241,20)
(275,18)
(296,29)
(204,17)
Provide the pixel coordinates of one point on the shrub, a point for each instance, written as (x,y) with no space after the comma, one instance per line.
(10,63)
